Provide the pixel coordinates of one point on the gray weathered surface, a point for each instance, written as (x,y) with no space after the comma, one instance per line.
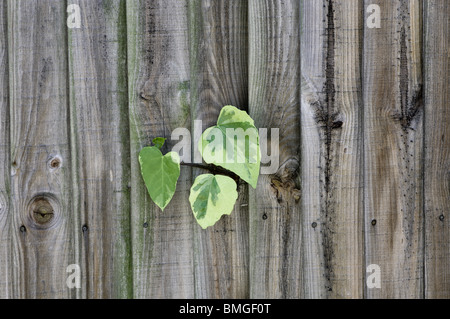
(437,149)
(332,149)
(274,102)
(100,148)
(5,213)
(158,76)
(364,161)
(41,226)
(393,150)
(218,55)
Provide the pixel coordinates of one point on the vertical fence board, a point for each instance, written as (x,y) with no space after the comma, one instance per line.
(393,137)
(274,102)
(5,216)
(158,68)
(313,44)
(437,149)
(332,148)
(40,151)
(100,148)
(218,49)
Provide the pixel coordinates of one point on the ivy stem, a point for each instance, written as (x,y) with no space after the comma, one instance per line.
(214,169)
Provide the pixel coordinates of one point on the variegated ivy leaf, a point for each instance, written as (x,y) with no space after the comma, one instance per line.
(211,197)
(233,144)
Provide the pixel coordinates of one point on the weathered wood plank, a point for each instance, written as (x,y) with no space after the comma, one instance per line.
(100,146)
(5,215)
(331,167)
(158,68)
(41,192)
(393,140)
(274,102)
(437,149)
(218,49)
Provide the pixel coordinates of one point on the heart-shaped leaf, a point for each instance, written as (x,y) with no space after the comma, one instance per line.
(160,174)
(233,144)
(211,197)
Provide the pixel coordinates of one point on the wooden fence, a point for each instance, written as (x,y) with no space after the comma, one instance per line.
(364,120)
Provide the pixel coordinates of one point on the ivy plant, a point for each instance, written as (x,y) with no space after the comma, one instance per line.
(231,151)
(160,172)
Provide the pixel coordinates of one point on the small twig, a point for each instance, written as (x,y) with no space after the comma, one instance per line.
(214,169)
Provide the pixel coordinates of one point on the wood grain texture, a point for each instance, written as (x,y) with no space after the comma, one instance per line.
(274,102)
(393,143)
(218,50)
(437,149)
(42,228)
(331,129)
(363,175)
(158,73)
(100,147)
(5,213)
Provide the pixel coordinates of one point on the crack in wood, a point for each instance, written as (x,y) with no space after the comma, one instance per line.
(404,77)
(328,118)
(326,114)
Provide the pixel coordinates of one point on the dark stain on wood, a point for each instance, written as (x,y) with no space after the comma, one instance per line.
(329,120)
(411,103)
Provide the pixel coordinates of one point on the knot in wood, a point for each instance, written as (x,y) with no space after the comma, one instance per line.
(284,181)
(54,163)
(42,211)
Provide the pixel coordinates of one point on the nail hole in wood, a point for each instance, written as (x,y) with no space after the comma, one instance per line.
(337,124)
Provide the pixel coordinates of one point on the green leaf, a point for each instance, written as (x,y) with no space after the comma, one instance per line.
(159,141)
(211,197)
(233,144)
(160,174)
